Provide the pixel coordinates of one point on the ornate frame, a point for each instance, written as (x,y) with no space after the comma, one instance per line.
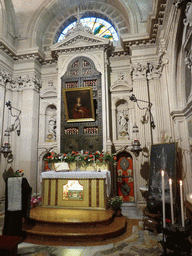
(79,105)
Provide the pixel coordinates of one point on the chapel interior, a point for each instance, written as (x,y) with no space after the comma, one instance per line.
(132,62)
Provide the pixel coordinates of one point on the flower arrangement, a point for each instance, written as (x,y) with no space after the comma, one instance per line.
(80,156)
(11,173)
(116,202)
(35,199)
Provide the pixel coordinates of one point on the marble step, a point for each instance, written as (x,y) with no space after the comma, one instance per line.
(43,232)
(49,224)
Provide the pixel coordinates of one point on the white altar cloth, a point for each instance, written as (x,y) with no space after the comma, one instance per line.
(104,174)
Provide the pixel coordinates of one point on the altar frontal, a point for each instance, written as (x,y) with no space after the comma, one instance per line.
(76,189)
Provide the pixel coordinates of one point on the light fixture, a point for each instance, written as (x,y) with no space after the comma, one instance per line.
(6,147)
(136,145)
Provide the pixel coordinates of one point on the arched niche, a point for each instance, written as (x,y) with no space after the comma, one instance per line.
(50,123)
(125,176)
(84,134)
(122,119)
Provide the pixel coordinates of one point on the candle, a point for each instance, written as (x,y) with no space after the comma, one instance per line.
(181,199)
(163,197)
(171,201)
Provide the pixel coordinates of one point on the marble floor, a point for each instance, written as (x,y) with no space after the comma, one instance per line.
(139,243)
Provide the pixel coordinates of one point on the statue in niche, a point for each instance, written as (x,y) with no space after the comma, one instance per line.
(51,129)
(123,120)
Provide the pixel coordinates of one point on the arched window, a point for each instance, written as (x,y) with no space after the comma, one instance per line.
(98,26)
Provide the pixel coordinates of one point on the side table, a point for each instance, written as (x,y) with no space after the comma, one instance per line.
(151,221)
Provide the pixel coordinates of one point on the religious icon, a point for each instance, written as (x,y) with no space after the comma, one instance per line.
(79,104)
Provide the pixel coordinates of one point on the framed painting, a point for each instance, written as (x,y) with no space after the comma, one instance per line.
(163,157)
(79,105)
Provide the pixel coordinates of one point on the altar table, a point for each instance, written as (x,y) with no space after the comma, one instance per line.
(76,189)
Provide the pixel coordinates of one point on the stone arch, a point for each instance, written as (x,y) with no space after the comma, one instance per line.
(88,55)
(122,119)
(50,123)
(47,21)
(125,176)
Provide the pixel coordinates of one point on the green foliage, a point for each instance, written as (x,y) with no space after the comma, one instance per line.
(116,202)
(81,156)
(11,173)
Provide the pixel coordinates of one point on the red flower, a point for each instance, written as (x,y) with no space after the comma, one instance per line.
(90,155)
(86,158)
(21,171)
(52,153)
(101,155)
(100,159)
(64,154)
(167,221)
(73,152)
(86,152)
(115,158)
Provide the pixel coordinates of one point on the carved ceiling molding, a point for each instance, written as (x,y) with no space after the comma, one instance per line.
(20,83)
(31,56)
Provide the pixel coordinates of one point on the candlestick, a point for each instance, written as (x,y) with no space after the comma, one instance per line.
(181,199)
(171,201)
(163,197)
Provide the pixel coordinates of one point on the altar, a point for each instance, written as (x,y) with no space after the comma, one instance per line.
(76,189)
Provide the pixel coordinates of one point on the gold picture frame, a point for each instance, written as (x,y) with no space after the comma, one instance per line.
(78,104)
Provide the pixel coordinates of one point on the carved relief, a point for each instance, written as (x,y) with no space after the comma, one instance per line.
(5,77)
(24,81)
(148,71)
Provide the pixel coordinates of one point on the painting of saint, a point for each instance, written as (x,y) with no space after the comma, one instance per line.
(79,104)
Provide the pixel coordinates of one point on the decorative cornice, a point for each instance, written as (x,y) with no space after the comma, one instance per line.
(31,56)
(119,53)
(56,53)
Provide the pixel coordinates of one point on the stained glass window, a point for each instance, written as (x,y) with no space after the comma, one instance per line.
(98,26)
